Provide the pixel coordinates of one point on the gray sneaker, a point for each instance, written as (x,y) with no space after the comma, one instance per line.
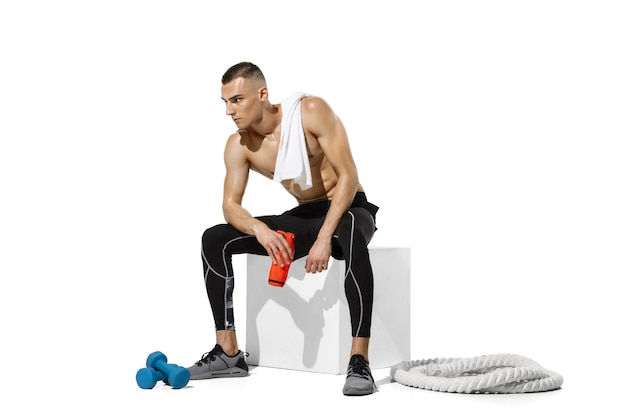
(217,364)
(359,380)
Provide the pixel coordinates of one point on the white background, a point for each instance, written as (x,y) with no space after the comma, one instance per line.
(491,134)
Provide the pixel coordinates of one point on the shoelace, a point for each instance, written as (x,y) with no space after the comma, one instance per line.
(359,368)
(208,356)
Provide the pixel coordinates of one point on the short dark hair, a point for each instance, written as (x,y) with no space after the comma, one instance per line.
(244,70)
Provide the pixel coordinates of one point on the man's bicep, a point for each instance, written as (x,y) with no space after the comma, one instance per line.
(331,134)
(236,177)
(336,147)
(234,186)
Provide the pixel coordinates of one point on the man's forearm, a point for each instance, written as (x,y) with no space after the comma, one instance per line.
(242,220)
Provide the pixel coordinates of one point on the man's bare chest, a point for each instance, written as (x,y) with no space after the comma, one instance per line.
(262,158)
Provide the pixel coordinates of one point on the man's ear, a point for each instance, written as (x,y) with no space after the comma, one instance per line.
(263,93)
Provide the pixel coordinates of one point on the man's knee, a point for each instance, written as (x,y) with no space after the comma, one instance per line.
(357,228)
(215,237)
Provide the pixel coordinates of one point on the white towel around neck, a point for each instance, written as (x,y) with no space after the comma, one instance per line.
(292,161)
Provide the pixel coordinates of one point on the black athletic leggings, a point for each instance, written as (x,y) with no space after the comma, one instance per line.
(349,242)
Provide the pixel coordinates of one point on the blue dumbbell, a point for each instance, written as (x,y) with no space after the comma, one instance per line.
(148,377)
(174,375)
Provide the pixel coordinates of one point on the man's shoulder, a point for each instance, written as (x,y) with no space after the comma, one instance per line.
(235,149)
(311,101)
(235,140)
(315,106)
(234,137)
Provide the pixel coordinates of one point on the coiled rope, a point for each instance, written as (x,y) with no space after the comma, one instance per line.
(500,373)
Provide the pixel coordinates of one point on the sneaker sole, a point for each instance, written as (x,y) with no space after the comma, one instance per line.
(226,373)
(356,393)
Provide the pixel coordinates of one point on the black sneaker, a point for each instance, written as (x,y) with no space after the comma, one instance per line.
(359,380)
(217,364)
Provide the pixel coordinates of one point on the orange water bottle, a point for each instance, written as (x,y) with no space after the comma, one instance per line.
(278,274)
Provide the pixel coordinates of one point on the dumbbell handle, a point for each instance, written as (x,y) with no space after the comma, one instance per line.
(164,367)
(175,375)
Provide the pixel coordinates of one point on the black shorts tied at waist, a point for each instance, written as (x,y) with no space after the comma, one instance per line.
(318,209)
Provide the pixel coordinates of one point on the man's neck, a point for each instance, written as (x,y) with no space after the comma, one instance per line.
(269,122)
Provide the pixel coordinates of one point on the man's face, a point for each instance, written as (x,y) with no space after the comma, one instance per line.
(242,101)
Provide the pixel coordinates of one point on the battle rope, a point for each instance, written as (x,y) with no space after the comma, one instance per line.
(501,373)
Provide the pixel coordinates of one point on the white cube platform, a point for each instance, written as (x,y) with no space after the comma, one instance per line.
(305,325)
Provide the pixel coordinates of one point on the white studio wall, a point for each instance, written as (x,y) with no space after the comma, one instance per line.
(490,133)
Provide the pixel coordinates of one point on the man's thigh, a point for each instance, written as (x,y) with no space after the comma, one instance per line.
(306,230)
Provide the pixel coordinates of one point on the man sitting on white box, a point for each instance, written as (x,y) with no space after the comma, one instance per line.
(302,144)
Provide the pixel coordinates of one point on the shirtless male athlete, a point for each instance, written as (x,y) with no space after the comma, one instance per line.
(332,218)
